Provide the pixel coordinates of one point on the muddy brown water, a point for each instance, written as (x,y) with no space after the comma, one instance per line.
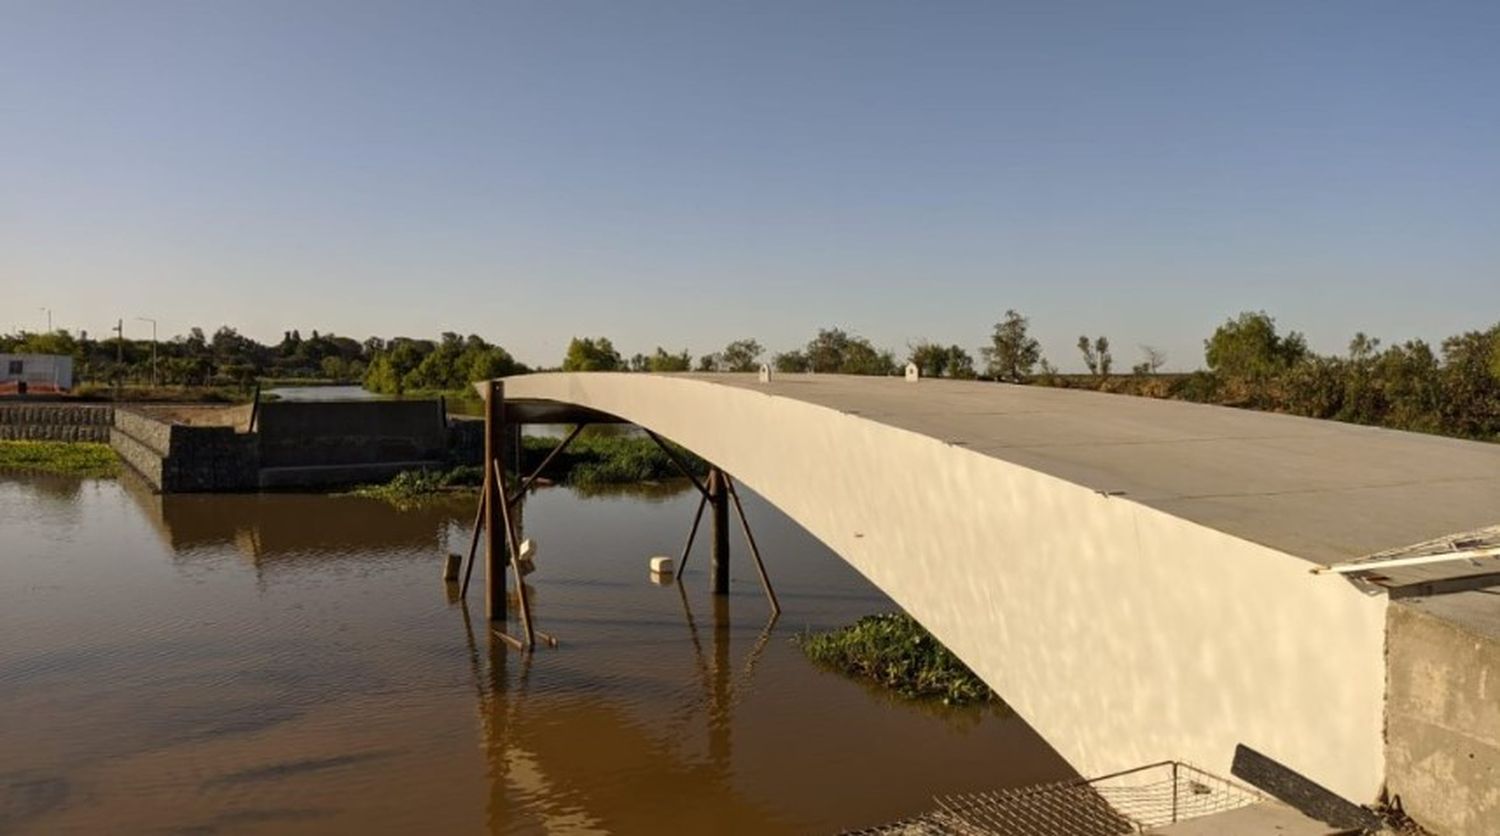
(293,663)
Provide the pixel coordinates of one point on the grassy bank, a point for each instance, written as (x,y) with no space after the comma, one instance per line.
(595,459)
(592,461)
(67,457)
(173,394)
(892,649)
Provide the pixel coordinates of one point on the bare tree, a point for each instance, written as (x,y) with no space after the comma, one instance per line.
(1154,359)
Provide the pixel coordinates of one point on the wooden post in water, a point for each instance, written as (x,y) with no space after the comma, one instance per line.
(718,499)
(496,558)
(513,438)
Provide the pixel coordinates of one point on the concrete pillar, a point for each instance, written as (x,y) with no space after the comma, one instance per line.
(718,502)
(496,558)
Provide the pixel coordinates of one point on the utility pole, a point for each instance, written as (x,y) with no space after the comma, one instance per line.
(153,347)
(49,317)
(119,355)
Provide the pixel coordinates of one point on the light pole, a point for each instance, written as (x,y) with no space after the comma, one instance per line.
(153,347)
(49,317)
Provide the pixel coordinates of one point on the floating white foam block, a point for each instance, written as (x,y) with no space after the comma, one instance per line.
(526,557)
(661,565)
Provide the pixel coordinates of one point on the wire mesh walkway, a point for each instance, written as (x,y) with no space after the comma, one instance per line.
(1134,801)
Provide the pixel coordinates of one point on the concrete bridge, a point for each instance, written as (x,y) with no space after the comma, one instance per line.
(1135,577)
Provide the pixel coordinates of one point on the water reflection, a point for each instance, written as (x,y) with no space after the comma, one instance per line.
(272,526)
(555,765)
(283,662)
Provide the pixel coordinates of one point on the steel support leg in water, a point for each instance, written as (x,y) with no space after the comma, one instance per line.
(718,502)
(495,550)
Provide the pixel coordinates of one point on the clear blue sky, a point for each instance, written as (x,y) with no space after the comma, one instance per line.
(688,173)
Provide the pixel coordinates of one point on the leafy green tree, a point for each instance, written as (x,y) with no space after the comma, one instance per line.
(740,356)
(708,363)
(1248,347)
(790,362)
(1012,352)
(1090,360)
(1471,385)
(661,361)
(833,351)
(1096,355)
(592,355)
(934,360)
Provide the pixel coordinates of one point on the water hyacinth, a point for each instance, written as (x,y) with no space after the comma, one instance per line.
(895,651)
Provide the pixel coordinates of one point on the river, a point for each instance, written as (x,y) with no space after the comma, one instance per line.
(283,663)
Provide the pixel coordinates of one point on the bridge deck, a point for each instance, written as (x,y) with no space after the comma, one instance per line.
(1320,490)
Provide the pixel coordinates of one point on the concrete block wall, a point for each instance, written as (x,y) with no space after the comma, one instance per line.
(211,459)
(1443,711)
(465,440)
(323,434)
(55,422)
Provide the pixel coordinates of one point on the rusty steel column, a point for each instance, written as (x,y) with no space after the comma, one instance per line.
(496,557)
(718,500)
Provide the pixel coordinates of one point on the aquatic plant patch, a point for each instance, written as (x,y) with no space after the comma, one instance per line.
(895,651)
(72,458)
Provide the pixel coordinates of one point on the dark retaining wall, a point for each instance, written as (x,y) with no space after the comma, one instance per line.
(340,433)
(55,422)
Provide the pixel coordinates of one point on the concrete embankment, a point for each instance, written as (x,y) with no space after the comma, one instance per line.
(1443,710)
(55,422)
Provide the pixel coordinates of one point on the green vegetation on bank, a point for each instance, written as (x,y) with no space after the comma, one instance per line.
(594,459)
(606,458)
(895,651)
(414,487)
(166,394)
(73,458)
(1453,389)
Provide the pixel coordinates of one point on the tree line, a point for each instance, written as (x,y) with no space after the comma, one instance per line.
(228,358)
(1452,388)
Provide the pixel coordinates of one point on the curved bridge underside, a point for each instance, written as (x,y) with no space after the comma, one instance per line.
(1132,576)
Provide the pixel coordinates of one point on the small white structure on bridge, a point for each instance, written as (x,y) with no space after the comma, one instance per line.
(36,373)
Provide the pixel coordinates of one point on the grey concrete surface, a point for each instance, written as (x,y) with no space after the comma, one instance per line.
(1320,490)
(1264,819)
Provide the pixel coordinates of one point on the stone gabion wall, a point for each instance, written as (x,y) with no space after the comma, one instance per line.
(179,458)
(142,459)
(55,422)
(151,433)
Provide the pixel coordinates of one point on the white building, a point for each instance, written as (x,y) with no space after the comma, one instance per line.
(39,372)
